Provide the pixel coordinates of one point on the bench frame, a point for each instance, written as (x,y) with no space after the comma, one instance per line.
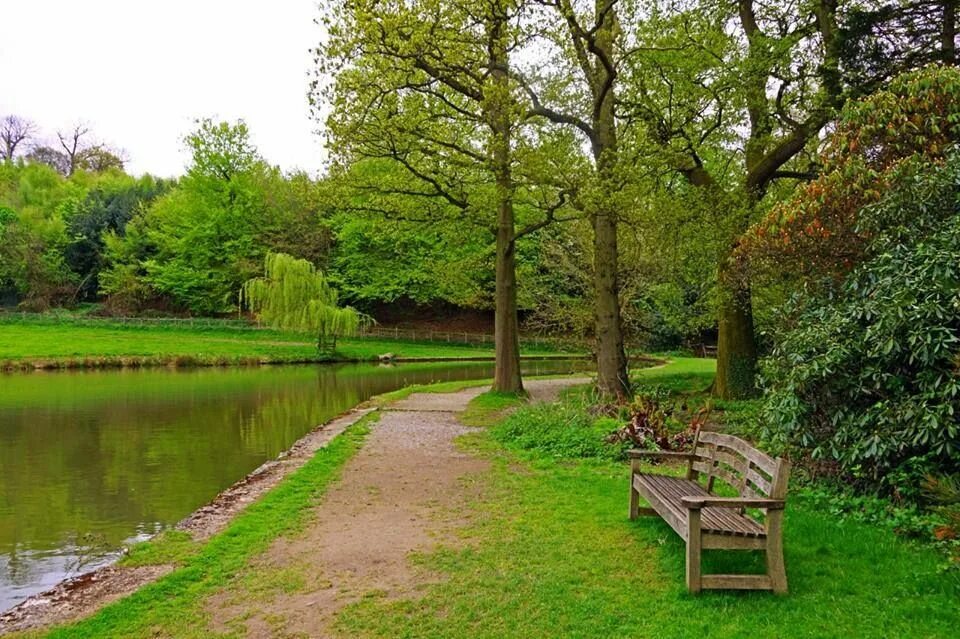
(761,482)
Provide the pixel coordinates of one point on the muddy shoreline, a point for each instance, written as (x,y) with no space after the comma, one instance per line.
(84,594)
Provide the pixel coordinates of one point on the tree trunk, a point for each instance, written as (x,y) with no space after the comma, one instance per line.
(948,34)
(737,347)
(612,377)
(506,377)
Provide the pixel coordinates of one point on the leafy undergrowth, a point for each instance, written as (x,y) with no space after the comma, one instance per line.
(553,554)
(172,606)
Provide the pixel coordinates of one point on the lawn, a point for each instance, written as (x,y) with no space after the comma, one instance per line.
(551,553)
(90,345)
(554,555)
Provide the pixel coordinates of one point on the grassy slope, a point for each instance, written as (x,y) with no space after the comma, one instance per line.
(554,555)
(28,341)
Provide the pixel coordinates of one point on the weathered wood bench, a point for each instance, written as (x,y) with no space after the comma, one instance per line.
(705,520)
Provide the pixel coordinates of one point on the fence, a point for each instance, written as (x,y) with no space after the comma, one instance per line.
(466,337)
(180,322)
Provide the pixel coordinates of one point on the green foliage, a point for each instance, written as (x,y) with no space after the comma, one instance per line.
(879,142)
(557,431)
(865,374)
(294,296)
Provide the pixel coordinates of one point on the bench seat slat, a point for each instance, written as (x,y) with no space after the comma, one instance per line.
(664,494)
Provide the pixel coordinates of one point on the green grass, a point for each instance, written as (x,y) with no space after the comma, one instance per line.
(173,606)
(551,553)
(554,555)
(82,345)
(486,408)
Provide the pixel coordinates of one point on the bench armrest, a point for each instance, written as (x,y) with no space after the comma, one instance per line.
(696,503)
(657,454)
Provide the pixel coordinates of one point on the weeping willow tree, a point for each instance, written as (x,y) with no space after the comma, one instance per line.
(294,296)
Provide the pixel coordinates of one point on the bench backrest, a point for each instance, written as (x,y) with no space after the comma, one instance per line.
(752,472)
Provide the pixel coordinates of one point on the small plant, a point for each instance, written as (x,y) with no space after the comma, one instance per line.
(945,491)
(652,426)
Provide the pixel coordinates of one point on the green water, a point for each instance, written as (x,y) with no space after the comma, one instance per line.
(90,461)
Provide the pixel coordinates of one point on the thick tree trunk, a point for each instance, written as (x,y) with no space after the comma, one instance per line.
(948,34)
(737,346)
(506,376)
(612,377)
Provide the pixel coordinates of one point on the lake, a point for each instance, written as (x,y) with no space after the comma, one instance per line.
(93,460)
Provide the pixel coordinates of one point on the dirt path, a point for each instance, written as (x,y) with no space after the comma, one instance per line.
(400,494)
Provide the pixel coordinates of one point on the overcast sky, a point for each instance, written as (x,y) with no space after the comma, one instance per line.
(139,73)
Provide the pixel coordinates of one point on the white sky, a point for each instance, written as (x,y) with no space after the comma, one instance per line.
(139,73)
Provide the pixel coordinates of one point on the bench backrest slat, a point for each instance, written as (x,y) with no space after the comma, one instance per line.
(751,472)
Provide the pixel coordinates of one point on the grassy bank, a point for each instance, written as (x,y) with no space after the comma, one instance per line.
(173,606)
(553,554)
(28,345)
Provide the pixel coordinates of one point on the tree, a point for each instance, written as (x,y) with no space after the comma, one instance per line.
(427,85)
(204,235)
(294,296)
(73,145)
(817,236)
(732,95)
(14,131)
(56,160)
(586,39)
(99,159)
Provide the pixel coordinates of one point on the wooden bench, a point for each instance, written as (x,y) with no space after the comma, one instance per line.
(705,520)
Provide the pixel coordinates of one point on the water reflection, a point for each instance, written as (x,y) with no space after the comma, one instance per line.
(91,460)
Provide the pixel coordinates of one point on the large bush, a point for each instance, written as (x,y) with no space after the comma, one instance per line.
(865,372)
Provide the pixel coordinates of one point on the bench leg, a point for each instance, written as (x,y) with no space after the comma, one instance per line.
(634,495)
(776,569)
(634,503)
(694,582)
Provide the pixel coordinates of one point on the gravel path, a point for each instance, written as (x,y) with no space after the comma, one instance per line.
(401,493)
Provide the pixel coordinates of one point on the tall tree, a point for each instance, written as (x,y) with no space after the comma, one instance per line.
(732,94)
(14,131)
(73,143)
(426,85)
(735,96)
(581,81)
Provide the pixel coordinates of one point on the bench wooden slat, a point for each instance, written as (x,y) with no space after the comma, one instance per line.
(759,458)
(668,491)
(763,485)
(736,582)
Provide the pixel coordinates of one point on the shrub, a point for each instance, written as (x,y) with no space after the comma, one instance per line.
(865,373)
(558,431)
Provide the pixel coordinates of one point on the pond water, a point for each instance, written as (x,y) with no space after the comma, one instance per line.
(92,460)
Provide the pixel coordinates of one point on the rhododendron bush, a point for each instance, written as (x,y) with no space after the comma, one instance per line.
(878,141)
